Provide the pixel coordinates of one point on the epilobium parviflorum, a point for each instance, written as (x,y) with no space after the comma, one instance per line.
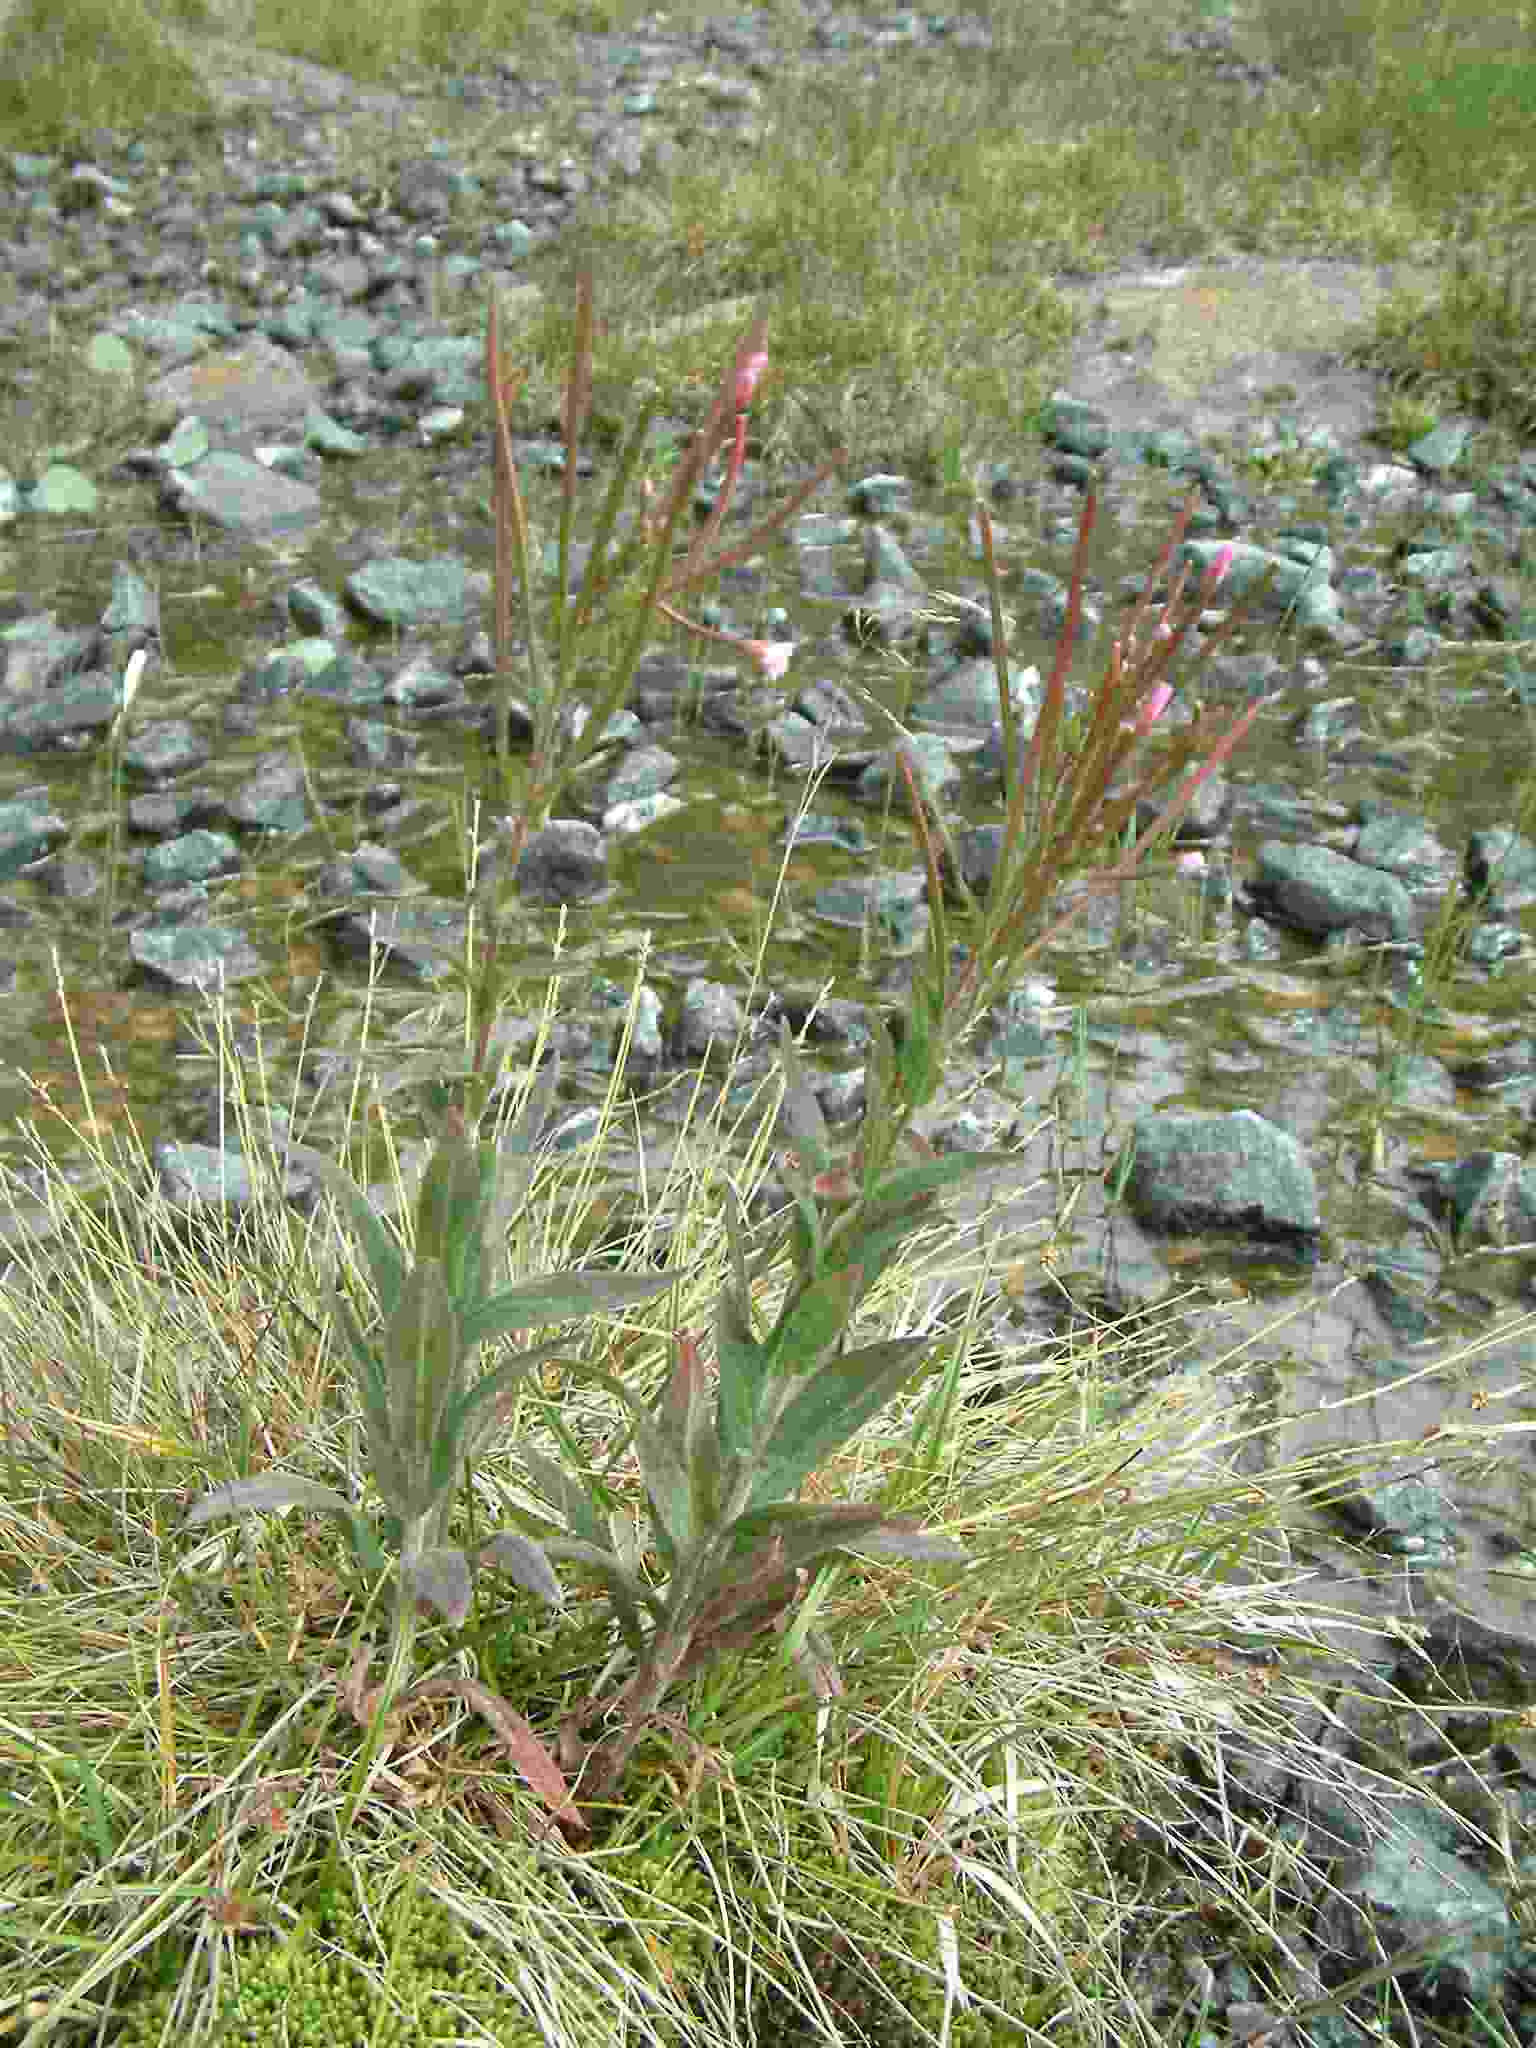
(425,1416)
(726,1448)
(723,1456)
(628,580)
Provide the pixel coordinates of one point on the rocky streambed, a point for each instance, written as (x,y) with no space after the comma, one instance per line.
(1283,1068)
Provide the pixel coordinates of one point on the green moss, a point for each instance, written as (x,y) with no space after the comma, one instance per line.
(651,1899)
(310,1990)
(881,1974)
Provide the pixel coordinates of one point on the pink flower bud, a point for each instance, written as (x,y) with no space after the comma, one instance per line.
(1153,705)
(747,376)
(770,657)
(1221,562)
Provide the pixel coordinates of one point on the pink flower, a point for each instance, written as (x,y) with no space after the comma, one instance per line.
(748,374)
(770,657)
(1192,864)
(1153,705)
(1221,562)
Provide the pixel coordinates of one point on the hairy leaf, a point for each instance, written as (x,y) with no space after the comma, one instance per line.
(806,1530)
(373,1392)
(833,1407)
(814,1320)
(918,1058)
(561,1298)
(468,1421)
(668,1490)
(898,1538)
(386,1262)
(448,1206)
(685,1416)
(743,1367)
(864,1256)
(668,1486)
(286,1490)
(523,1560)
(906,1183)
(441,1579)
(802,1111)
(421,1359)
(260,1496)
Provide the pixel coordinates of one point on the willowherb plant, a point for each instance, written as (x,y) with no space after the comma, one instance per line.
(631,579)
(726,1448)
(634,578)
(723,1456)
(1071,799)
(425,1419)
(723,1459)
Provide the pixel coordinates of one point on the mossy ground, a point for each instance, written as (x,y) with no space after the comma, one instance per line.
(388,1965)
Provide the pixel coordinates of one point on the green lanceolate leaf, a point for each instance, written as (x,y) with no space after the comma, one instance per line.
(918,1060)
(686,1415)
(901,1538)
(668,1486)
(867,1255)
(261,1496)
(908,1182)
(743,1369)
(869,1235)
(523,1560)
(285,1490)
(560,1298)
(367,1371)
(471,1415)
(835,1405)
(391,1476)
(448,1200)
(421,1361)
(807,1530)
(441,1578)
(386,1262)
(813,1321)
